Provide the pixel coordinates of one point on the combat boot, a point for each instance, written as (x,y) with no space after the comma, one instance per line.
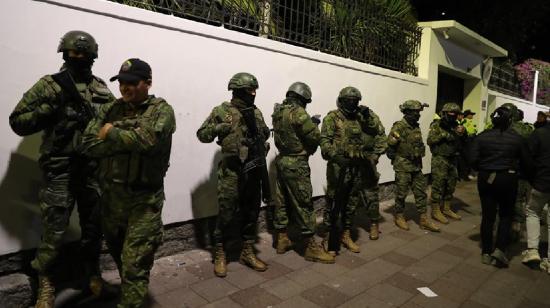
(324,245)
(449,212)
(283,242)
(374,232)
(400,222)
(348,242)
(248,257)
(437,215)
(220,263)
(46,293)
(316,253)
(101,288)
(427,224)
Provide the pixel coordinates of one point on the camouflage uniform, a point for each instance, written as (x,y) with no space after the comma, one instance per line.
(406,149)
(239,193)
(134,159)
(69,177)
(296,137)
(445,139)
(353,140)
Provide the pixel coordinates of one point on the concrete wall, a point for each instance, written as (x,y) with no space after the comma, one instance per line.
(192,63)
(530,110)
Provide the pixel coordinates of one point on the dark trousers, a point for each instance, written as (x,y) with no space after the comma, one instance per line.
(498,196)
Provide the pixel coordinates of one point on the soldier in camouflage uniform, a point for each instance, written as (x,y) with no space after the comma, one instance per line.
(242,135)
(61,105)
(523,129)
(445,138)
(352,140)
(296,137)
(406,149)
(132,137)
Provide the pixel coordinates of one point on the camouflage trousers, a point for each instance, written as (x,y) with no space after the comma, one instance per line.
(132,226)
(293,194)
(524,192)
(444,177)
(357,188)
(404,182)
(63,189)
(239,199)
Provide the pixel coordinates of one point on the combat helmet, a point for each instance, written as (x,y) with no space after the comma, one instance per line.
(301,89)
(412,104)
(79,41)
(513,110)
(451,107)
(350,93)
(242,81)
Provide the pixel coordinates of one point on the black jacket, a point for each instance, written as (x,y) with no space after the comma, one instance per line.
(495,150)
(539,145)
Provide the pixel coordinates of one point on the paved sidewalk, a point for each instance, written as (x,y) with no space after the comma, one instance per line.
(386,273)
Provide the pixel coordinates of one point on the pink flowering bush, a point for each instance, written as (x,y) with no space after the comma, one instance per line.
(526,75)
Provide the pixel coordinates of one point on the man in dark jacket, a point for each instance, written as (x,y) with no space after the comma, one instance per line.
(539,145)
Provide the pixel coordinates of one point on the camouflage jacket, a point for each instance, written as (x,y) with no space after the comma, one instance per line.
(347,137)
(46,107)
(234,140)
(406,147)
(444,142)
(136,150)
(294,131)
(524,129)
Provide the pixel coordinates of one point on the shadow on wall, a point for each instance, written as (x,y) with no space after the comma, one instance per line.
(204,204)
(19,209)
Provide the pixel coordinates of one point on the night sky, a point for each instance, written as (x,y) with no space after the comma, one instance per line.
(522,27)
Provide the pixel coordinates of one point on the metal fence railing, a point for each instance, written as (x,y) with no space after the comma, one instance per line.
(504,80)
(358,29)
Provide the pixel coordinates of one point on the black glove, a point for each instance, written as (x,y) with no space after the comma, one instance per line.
(315,120)
(364,111)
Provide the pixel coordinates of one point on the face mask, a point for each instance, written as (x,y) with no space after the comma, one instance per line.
(348,106)
(79,67)
(412,117)
(450,119)
(246,97)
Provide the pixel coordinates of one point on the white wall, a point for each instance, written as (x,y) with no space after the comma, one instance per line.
(192,63)
(530,110)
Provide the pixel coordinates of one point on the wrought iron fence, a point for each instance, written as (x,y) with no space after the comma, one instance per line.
(362,30)
(504,80)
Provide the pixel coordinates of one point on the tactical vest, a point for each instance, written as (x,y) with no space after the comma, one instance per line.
(137,170)
(286,140)
(410,145)
(227,113)
(446,147)
(349,136)
(63,138)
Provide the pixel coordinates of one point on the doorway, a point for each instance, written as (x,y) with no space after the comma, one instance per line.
(450,89)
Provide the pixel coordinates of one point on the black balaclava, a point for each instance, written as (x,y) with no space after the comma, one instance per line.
(348,106)
(449,120)
(246,97)
(297,99)
(412,117)
(80,68)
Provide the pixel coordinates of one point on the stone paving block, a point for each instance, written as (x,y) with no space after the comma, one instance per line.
(451,290)
(283,287)
(349,260)
(307,277)
(274,270)
(491,299)
(459,227)
(380,247)
(455,251)
(421,247)
(405,282)
(404,235)
(445,235)
(292,260)
(507,284)
(214,288)
(399,259)
(181,298)
(433,266)
(374,271)
(225,302)
(255,297)
(365,301)
(350,286)
(331,270)
(296,302)
(325,296)
(539,292)
(472,304)
(434,302)
(177,278)
(199,255)
(467,243)
(203,270)
(389,294)
(458,278)
(245,278)
(526,303)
